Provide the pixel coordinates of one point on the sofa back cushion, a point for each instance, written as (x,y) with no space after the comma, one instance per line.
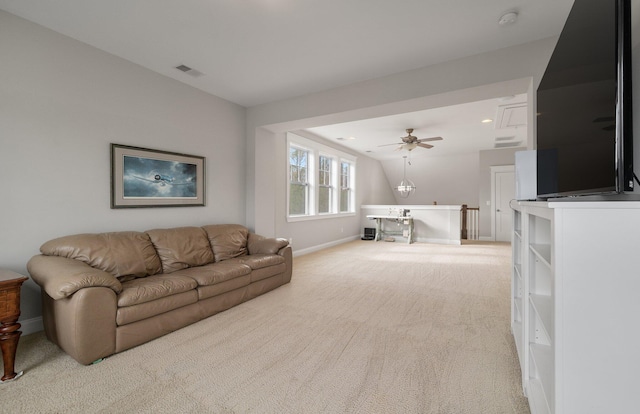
(257,244)
(227,240)
(123,254)
(181,247)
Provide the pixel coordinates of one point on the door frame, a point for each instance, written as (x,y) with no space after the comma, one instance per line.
(497,169)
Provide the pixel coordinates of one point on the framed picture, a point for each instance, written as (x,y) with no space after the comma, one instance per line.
(142,177)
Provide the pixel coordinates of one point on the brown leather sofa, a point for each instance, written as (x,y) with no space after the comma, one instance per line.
(105,293)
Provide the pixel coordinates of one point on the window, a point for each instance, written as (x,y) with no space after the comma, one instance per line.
(321,180)
(325,189)
(298,184)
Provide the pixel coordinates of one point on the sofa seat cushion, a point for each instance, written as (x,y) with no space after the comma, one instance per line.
(258,261)
(154,287)
(181,247)
(215,273)
(241,282)
(129,314)
(266,272)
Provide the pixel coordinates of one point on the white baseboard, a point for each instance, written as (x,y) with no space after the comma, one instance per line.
(348,239)
(486,238)
(323,246)
(33,325)
(437,241)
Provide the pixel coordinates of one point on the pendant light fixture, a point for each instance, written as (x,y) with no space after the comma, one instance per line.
(406,187)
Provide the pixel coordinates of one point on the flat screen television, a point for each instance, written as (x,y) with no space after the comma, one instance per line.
(584,118)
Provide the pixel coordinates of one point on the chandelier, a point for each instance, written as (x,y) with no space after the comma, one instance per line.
(406,187)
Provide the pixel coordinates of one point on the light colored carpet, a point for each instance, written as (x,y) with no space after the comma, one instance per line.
(364,327)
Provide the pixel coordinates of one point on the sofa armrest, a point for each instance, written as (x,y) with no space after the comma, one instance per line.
(257,244)
(61,277)
(287,253)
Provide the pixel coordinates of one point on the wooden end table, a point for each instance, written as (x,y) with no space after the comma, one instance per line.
(10,283)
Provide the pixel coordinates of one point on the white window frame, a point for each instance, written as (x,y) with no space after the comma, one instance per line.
(351,186)
(332,182)
(316,150)
(309,202)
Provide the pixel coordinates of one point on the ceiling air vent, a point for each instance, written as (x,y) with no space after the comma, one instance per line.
(499,145)
(189,71)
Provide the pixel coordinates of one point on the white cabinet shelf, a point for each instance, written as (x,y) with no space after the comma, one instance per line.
(543,308)
(518,269)
(537,400)
(542,252)
(575,278)
(543,371)
(518,303)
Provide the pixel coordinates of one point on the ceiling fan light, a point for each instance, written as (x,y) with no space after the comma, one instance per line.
(406,188)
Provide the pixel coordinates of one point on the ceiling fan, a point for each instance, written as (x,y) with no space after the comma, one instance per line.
(410,141)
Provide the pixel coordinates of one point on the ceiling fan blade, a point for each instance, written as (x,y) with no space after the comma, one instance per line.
(430,139)
(400,147)
(386,145)
(420,144)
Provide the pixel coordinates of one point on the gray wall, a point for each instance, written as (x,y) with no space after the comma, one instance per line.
(61,104)
(451,179)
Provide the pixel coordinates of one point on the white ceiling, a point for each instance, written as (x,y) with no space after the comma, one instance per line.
(252,52)
(460,126)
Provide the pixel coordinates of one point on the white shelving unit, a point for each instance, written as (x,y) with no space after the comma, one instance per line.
(576,305)
(517,286)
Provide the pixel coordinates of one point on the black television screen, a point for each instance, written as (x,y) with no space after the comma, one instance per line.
(584,136)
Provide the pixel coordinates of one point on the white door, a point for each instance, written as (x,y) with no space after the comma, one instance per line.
(505,191)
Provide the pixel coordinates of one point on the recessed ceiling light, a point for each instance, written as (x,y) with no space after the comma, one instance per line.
(487,121)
